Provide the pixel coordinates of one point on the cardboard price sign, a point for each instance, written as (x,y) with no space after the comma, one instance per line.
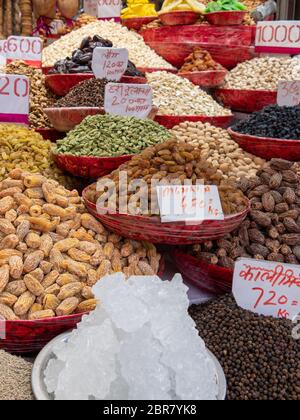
(14,99)
(110,63)
(103,9)
(189,203)
(28,49)
(267,288)
(288,93)
(278,37)
(128,99)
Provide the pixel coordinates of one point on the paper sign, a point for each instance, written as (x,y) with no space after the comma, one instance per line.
(3,51)
(128,99)
(288,93)
(91,7)
(267,288)
(278,37)
(14,99)
(189,203)
(28,49)
(109,63)
(103,9)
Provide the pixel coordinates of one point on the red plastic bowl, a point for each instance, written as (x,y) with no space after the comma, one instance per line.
(207,277)
(170,121)
(61,84)
(208,79)
(226,18)
(65,119)
(268,148)
(46,70)
(49,134)
(137,23)
(89,166)
(150,229)
(246,100)
(134,79)
(179,18)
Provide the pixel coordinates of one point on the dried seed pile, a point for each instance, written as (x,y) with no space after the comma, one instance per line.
(52,251)
(274,121)
(272,230)
(89,93)
(199,60)
(174,95)
(260,358)
(15,378)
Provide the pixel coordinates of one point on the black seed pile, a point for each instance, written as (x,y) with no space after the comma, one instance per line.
(81,60)
(273,121)
(260,358)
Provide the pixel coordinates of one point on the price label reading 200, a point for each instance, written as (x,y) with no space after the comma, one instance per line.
(14,99)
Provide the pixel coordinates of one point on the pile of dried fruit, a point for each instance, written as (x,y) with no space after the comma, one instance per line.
(89,93)
(174,95)
(219,149)
(40,96)
(272,230)
(259,355)
(53,252)
(199,60)
(167,163)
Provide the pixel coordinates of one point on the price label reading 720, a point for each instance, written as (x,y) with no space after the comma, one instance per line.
(14,98)
(288,93)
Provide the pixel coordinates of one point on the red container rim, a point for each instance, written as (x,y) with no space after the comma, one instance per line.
(246,91)
(155,69)
(180,12)
(204,72)
(95,158)
(236,135)
(139,19)
(75,108)
(47,320)
(227,12)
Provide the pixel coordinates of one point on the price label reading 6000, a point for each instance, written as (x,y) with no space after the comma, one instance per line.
(14,98)
(28,49)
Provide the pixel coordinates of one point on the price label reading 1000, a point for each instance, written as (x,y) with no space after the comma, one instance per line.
(14,98)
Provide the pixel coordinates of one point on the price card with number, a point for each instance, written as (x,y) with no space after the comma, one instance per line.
(28,49)
(14,99)
(128,99)
(103,9)
(267,288)
(189,203)
(288,93)
(3,52)
(278,37)
(109,63)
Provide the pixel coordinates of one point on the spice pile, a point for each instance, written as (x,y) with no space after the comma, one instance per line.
(121,37)
(219,150)
(81,60)
(89,93)
(166,163)
(15,378)
(199,60)
(53,252)
(174,95)
(259,355)
(40,96)
(274,122)
(109,135)
(272,230)
(263,73)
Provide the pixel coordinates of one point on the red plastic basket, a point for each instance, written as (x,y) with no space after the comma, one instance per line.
(137,23)
(179,18)
(61,84)
(170,121)
(207,277)
(150,229)
(65,119)
(49,134)
(268,148)
(208,79)
(226,18)
(246,100)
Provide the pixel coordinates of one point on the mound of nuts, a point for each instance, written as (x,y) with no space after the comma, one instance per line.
(164,164)
(52,251)
(263,73)
(219,149)
(272,229)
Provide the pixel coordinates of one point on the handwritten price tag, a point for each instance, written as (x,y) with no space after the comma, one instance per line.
(110,63)
(189,203)
(28,49)
(3,51)
(128,99)
(14,99)
(267,288)
(278,37)
(103,9)
(288,93)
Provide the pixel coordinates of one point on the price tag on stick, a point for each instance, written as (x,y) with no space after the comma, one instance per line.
(28,49)
(278,37)
(14,99)
(267,288)
(110,63)
(128,99)
(288,93)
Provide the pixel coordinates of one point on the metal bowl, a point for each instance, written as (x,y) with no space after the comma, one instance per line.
(41,362)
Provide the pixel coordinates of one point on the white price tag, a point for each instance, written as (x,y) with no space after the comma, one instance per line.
(278,37)
(109,63)
(91,7)
(267,288)
(28,49)
(189,203)
(14,99)
(128,99)
(288,93)
(3,51)
(103,9)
